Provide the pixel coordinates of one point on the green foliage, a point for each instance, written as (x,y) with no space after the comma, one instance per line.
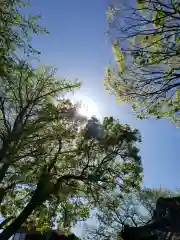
(148,77)
(53,161)
(159,18)
(16,31)
(119,57)
(135,209)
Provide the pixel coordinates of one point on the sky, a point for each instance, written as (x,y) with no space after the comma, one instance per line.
(78,46)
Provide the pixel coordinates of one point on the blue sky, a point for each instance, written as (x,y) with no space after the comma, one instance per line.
(78,47)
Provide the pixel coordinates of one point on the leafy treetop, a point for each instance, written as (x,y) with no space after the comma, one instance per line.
(146,44)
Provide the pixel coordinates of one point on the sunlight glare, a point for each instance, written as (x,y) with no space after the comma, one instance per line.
(88,107)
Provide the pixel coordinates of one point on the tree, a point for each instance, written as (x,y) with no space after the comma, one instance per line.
(16,31)
(116,210)
(146,45)
(26,96)
(51,163)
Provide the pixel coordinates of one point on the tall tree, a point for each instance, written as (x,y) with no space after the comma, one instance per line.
(116,210)
(146,44)
(51,160)
(26,95)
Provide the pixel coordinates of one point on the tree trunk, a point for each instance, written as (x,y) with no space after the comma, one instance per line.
(3,171)
(4,148)
(35,201)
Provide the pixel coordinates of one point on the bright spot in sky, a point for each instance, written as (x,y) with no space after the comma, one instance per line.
(88,107)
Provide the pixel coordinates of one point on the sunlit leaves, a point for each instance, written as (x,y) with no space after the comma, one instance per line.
(147,58)
(65,163)
(16,31)
(140,4)
(119,57)
(159,17)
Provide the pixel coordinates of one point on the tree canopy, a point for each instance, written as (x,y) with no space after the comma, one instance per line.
(52,163)
(146,44)
(116,210)
(16,31)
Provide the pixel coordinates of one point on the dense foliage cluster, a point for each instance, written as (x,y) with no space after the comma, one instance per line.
(146,44)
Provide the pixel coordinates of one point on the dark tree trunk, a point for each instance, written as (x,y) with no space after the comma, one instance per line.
(17,223)
(4,149)
(35,201)
(3,171)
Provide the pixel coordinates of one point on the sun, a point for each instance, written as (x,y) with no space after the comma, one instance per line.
(88,107)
